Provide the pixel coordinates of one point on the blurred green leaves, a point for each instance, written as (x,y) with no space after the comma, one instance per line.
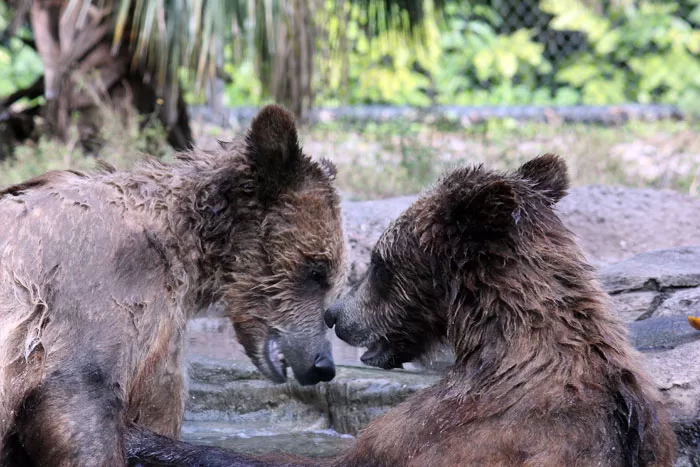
(640,52)
(372,51)
(20,65)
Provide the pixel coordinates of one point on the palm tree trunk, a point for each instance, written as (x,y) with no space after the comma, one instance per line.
(82,73)
(294,68)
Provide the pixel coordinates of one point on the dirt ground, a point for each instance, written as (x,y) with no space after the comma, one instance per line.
(398,158)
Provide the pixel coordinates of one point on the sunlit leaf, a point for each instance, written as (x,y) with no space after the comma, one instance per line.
(483,61)
(608,42)
(506,62)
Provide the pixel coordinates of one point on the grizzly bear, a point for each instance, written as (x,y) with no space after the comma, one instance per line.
(100,272)
(543,375)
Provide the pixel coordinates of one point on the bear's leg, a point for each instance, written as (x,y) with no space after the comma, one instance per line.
(75,418)
(146,448)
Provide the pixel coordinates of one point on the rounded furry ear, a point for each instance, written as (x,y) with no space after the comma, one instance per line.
(273,148)
(462,216)
(488,210)
(548,174)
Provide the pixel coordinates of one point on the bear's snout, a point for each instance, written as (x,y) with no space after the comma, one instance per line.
(331,314)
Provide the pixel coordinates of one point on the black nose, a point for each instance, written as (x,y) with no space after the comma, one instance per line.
(330,315)
(324,368)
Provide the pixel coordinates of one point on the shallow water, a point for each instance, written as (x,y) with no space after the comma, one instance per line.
(264,440)
(232,406)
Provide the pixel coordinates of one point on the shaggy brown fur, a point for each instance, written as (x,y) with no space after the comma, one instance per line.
(100,272)
(544,374)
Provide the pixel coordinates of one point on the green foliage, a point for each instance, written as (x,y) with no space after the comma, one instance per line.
(636,51)
(20,65)
(479,66)
(387,67)
(124,141)
(169,35)
(640,52)
(246,87)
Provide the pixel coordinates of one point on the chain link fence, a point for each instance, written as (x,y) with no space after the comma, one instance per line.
(591,52)
(530,52)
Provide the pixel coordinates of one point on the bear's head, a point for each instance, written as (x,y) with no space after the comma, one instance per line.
(475,230)
(280,223)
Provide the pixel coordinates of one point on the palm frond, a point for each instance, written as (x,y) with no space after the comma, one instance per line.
(403,15)
(166,35)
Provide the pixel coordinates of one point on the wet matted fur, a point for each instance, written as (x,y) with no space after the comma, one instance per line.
(544,374)
(100,272)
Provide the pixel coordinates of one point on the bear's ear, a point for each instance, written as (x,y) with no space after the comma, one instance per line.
(548,174)
(489,210)
(273,149)
(483,213)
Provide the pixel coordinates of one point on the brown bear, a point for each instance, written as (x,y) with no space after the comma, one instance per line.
(100,272)
(544,374)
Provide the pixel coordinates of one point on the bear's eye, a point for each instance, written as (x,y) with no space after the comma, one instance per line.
(381,274)
(317,275)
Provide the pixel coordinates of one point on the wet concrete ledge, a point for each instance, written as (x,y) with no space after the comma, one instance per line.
(234,392)
(231,405)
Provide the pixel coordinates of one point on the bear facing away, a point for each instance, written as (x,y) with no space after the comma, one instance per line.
(100,272)
(544,374)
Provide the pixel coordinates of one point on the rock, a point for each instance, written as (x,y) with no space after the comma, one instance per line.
(612,223)
(364,222)
(232,405)
(633,305)
(685,302)
(662,333)
(616,223)
(654,270)
(656,283)
(236,393)
(676,372)
(658,290)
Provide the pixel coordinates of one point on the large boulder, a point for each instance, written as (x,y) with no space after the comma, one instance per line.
(364,222)
(611,223)
(656,283)
(616,223)
(672,354)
